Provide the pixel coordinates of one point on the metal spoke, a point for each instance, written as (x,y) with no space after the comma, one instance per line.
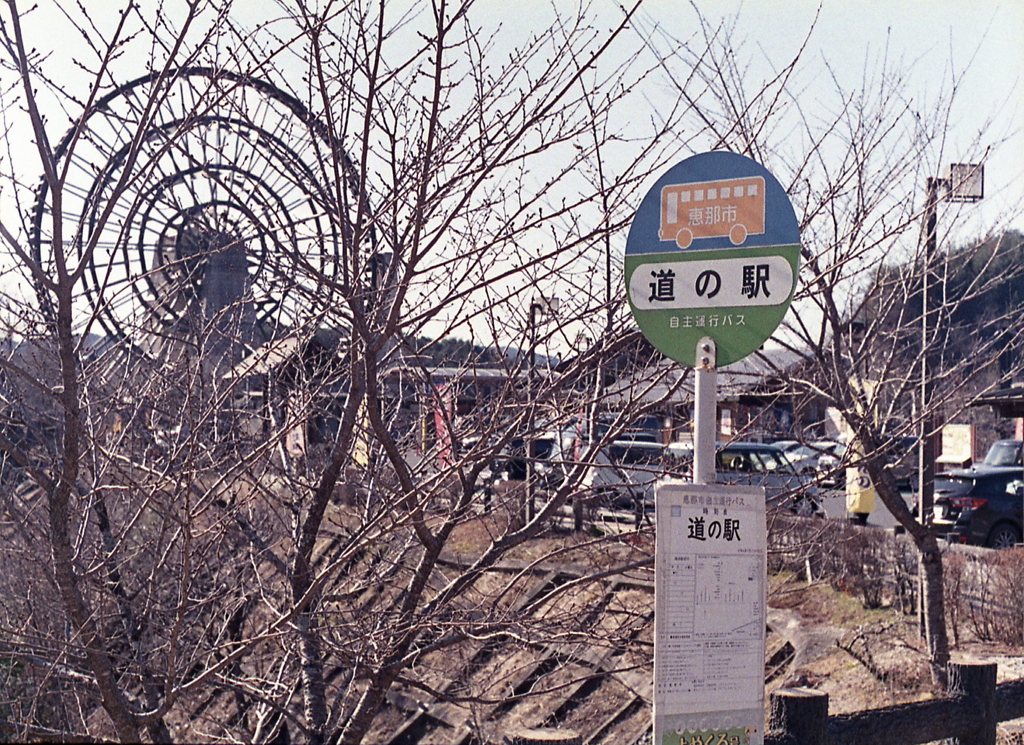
(224,157)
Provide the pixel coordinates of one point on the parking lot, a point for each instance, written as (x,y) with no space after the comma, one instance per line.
(834,502)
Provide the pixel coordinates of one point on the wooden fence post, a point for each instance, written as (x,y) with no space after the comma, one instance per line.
(978,681)
(800,713)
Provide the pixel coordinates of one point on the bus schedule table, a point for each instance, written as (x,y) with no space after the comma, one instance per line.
(709,614)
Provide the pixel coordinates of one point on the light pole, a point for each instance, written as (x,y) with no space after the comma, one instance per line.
(966,183)
(540,308)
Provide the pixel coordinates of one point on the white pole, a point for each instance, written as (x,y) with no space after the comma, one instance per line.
(705,427)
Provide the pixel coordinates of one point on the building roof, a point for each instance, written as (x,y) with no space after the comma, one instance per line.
(750,380)
(1009,402)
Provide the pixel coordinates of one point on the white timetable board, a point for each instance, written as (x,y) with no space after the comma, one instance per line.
(709,617)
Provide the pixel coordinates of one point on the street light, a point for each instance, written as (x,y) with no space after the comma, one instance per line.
(540,308)
(965,183)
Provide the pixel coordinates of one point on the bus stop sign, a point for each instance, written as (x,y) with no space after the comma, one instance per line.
(713,250)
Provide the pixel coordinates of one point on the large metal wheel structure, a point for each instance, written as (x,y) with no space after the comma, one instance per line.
(196,197)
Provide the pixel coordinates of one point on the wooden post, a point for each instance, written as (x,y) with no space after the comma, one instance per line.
(800,713)
(978,681)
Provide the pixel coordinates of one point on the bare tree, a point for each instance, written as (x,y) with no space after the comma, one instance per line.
(856,173)
(239,497)
(247,485)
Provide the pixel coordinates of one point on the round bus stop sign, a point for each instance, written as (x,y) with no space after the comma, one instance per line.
(713,250)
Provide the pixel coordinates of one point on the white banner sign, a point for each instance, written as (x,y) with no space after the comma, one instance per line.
(714,283)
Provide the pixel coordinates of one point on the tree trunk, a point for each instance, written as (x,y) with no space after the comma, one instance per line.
(933,601)
(934,607)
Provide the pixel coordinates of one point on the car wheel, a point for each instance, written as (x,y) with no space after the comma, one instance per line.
(1003,535)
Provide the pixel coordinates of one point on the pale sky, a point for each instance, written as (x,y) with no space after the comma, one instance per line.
(984,39)
(928,38)
(934,41)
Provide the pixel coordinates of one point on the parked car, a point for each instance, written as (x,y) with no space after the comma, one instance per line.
(831,468)
(549,452)
(624,473)
(758,464)
(803,457)
(980,506)
(1004,453)
(901,458)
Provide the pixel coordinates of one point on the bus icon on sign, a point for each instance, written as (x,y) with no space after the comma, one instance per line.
(731,207)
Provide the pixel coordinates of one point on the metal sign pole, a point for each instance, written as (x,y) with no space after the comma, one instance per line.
(711,264)
(705,429)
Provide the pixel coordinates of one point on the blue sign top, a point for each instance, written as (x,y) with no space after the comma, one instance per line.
(713,200)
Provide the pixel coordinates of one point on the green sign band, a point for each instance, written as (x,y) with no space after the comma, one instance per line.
(749,296)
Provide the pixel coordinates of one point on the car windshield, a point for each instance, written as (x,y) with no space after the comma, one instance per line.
(757,461)
(829,446)
(771,461)
(1004,453)
(635,453)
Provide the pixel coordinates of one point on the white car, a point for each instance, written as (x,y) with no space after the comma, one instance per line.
(624,473)
(831,469)
(758,464)
(803,457)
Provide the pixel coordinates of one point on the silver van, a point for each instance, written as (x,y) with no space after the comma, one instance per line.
(624,473)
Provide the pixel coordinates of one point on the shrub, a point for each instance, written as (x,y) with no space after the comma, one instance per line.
(873,565)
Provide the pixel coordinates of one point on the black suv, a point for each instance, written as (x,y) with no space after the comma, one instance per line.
(980,505)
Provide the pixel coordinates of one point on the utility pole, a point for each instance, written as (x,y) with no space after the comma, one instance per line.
(926,440)
(966,183)
(539,308)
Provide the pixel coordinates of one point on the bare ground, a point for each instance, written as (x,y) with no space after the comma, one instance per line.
(864,659)
(818,637)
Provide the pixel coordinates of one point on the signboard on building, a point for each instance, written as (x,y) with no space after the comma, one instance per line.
(957,445)
(709,619)
(712,251)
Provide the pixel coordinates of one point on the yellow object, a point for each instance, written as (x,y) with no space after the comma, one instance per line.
(860,492)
